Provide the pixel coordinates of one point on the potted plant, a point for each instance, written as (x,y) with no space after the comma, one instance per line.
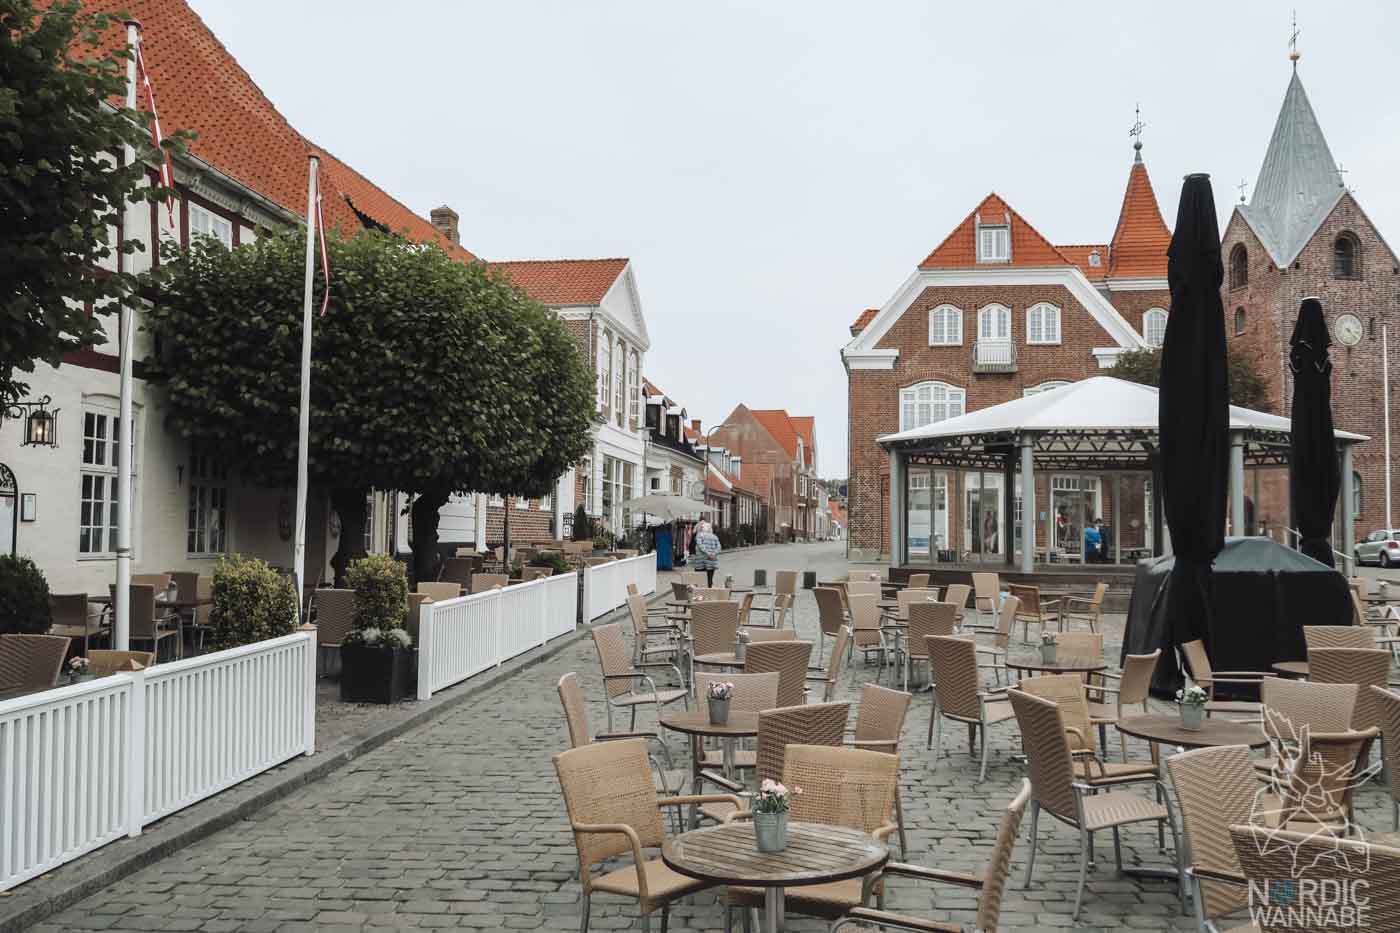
(719,694)
(1192,701)
(553,560)
(78,670)
(24,597)
(1047,647)
(251,602)
(377,655)
(770,813)
(741,646)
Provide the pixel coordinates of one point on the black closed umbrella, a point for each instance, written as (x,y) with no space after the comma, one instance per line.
(1194,411)
(1315,476)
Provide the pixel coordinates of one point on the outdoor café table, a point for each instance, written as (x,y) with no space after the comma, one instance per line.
(1166,730)
(815,854)
(1292,668)
(719,659)
(696,722)
(1033,662)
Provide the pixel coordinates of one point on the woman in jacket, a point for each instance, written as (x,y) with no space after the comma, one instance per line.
(707,550)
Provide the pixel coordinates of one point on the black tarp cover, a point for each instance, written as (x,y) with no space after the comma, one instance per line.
(1262,595)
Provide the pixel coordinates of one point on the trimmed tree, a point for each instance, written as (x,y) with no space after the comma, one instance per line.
(61,192)
(1247,387)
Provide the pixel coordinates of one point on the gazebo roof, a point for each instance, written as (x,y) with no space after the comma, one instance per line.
(1099,422)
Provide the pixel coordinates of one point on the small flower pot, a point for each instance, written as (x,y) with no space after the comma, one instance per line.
(1191,716)
(375,674)
(80,678)
(719,711)
(741,650)
(770,831)
(1048,652)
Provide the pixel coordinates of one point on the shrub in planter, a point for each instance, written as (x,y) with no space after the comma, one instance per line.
(555,562)
(251,603)
(24,597)
(583,525)
(377,656)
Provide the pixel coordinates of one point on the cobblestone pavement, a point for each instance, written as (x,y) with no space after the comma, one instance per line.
(459,824)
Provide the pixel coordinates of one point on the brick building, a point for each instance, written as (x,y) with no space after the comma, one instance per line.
(995,312)
(782,449)
(1303,233)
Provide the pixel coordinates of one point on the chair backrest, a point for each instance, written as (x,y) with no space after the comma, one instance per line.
(415,603)
(986,586)
(481,582)
(1136,683)
(880,715)
(1338,636)
(1079,645)
(1006,621)
(789,659)
(456,570)
(770,634)
(609,782)
(927,619)
(1358,608)
(31,661)
(1198,662)
(785,583)
(745,607)
(864,588)
(957,594)
(142,606)
(994,878)
(102,662)
(637,615)
(1388,703)
(204,590)
(753,693)
(186,584)
(1290,705)
(680,590)
(1047,753)
(69,609)
(865,612)
(1215,787)
(834,663)
(1100,591)
(161,581)
(575,710)
(335,615)
(781,606)
(612,658)
(908,597)
(1323,775)
(440,591)
(849,787)
(1365,667)
(813,724)
(1066,691)
(953,662)
(714,626)
(1029,597)
(1269,856)
(830,615)
(703,594)
(917,581)
(694,578)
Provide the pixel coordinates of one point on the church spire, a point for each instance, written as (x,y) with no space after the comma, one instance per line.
(1140,241)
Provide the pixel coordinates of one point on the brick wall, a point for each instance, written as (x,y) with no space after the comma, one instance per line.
(525,525)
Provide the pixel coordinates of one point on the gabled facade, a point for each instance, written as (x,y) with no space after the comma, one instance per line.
(674,465)
(996,311)
(786,447)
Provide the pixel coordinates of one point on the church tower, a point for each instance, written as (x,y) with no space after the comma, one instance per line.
(1301,233)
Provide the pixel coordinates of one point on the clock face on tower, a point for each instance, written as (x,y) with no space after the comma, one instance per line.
(1347,329)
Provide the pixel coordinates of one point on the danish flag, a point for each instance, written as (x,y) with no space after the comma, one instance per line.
(167,170)
(325,253)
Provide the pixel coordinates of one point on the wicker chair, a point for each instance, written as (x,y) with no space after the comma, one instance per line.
(665,778)
(1134,688)
(335,617)
(72,618)
(1215,788)
(622,679)
(1198,664)
(1365,667)
(1034,610)
(1292,706)
(879,725)
(1067,692)
(986,589)
(645,629)
(202,620)
(753,693)
(457,570)
(31,662)
(778,612)
(161,581)
(481,582)
(149,624)
(789,659)
(439,591)
(1268,855)
(712,594)
(830,677)
(864,588)
(1001,637)
(925,620)
(957,594)
(846,787)
(1338,636)
(957,696)
(1084,608)
(990,885)
(867,634)
(1055,787)
(909,596)
(714,628)
(764,633)
(1389,704)
(102,662)
(831,615)
(614,810)
(917,581)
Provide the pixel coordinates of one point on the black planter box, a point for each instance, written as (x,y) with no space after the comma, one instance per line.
(375,675)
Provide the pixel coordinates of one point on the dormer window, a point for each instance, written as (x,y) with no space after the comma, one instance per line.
(1095,259)
(994,243)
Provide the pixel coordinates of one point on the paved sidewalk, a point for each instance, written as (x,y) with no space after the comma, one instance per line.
(459,824)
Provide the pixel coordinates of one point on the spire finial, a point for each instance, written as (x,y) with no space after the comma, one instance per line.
(1293,53)
(1136,132)
(1242,185)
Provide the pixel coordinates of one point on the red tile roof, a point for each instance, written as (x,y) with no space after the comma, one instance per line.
(806,427)
(1139,247)
(777,423)
(1028,247)
(865,318)
(1079,255)
(563,282)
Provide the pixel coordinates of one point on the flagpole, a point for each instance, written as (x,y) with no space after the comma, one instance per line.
(1385,414)
(304,409)
(121,599)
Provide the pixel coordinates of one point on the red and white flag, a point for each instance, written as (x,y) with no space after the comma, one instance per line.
(167,170)
(325,252)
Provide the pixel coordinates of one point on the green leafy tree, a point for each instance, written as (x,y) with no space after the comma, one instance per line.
(1247,387)
(61,192)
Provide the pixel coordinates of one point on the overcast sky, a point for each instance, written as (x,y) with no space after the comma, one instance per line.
(773,168)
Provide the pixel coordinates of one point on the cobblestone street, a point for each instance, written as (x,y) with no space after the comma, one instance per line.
(459,824)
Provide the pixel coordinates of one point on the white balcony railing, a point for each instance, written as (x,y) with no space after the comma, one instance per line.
(993,356)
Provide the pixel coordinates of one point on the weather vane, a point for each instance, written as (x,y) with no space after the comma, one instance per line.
(1136,131)
(1339,171)
(1242,185)
(1293,55)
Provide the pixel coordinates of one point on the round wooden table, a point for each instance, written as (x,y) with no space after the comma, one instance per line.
(719,659)
(1292,668)
(1065,665)
(1166,730)
(815,854)
(697,722)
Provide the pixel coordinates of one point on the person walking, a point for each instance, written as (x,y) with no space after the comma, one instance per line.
(707,550)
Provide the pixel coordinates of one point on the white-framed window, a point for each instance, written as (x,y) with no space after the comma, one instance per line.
(522,504)
(1043,387)
(928,403)
(204,222)
(994,324)
(97,515)
(1355,494)
(206,516)
(586,469)
(1154,326)
(619,384)
(944,326)
(547,502)
(994,243)
(607,357)
(1043,323)
(496,501)
(369,523)
(634,390)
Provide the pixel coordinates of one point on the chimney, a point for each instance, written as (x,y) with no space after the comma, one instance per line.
(444,219)
(695,425)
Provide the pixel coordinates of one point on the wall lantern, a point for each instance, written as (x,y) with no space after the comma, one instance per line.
(40,424)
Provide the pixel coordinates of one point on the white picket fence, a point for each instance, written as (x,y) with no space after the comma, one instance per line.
(605,585)
(84,765)
(460,638)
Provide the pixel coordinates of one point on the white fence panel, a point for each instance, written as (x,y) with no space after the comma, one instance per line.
(605,585)
(562,617)
(522,618)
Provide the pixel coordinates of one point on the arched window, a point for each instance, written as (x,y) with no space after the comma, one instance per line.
(1154,326)
(944,326)
(634,390)
(1043,387)
(1240,321)
(994,324)
(1346,257)
(1043,323)
(928,403)
(1355,495)
(607,361)
(1239,266)
(619,381)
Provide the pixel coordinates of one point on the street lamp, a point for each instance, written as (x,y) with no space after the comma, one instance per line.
(40,424)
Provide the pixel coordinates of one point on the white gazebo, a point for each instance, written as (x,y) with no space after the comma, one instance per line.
(1100,424)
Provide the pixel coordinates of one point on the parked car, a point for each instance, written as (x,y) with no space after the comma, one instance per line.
(1381,548)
